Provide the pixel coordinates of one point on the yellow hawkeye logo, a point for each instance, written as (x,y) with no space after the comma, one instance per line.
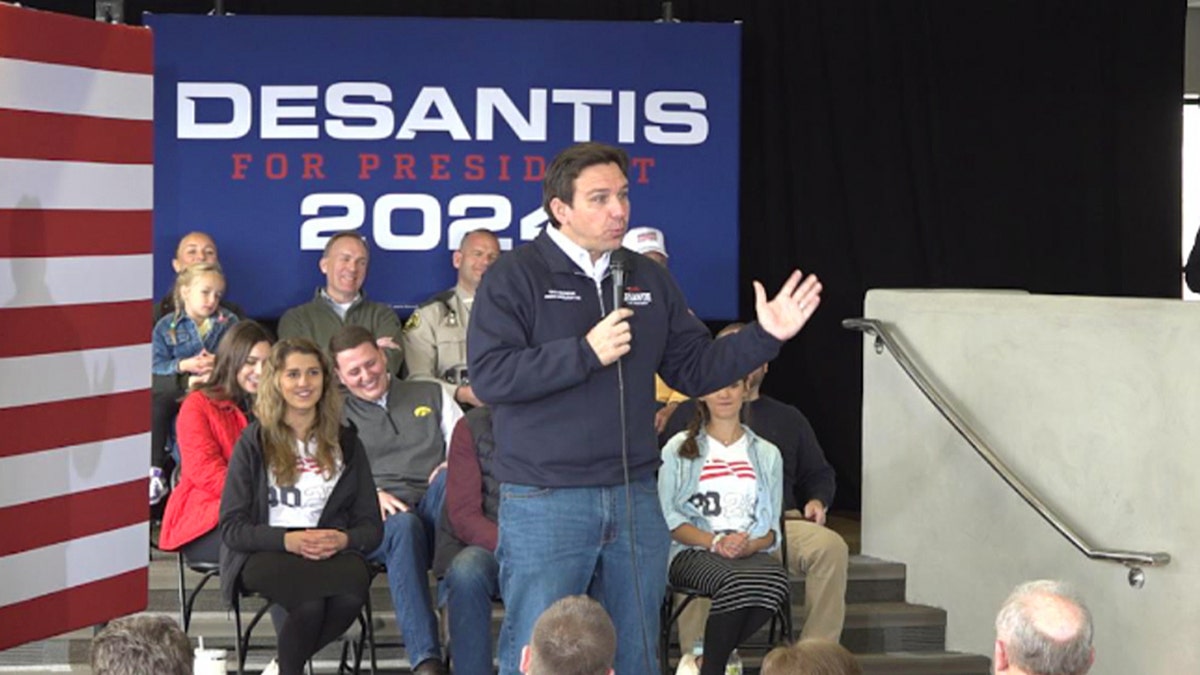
(422,411)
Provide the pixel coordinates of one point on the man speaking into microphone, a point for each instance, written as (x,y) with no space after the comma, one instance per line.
(554,357)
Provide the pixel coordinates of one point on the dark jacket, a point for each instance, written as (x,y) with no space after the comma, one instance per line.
(404,440)
(556,409)
(471,508)
(352,506)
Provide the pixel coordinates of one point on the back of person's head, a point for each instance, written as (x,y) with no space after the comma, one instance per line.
(141,644)
(1044,628)
(574,636)
(811,657)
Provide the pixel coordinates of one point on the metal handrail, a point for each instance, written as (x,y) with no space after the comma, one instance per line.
(884,339)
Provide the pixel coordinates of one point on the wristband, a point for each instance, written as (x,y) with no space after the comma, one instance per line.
(716,538)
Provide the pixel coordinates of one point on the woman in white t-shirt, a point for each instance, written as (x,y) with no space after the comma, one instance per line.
(299,512)
(721,493)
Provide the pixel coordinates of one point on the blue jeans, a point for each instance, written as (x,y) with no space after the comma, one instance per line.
(556,542)
(471,584)
(406,550)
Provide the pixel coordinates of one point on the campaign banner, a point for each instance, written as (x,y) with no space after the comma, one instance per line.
(274,133)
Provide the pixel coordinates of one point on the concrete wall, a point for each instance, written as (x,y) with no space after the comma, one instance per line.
(1095,403)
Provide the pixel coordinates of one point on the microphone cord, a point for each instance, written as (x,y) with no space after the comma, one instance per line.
(618,301)
(637,580)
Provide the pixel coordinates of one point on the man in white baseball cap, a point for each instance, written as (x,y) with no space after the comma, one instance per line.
(649,241)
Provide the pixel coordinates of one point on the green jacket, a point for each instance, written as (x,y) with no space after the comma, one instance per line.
(318,321)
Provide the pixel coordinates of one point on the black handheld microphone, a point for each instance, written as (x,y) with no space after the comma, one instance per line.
(616,265)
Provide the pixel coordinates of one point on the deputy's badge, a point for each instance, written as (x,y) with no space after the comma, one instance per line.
(422,411)
(414,321)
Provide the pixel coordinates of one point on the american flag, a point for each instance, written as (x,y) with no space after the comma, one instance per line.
(76,153)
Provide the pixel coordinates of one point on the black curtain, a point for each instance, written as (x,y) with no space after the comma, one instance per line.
(921,144)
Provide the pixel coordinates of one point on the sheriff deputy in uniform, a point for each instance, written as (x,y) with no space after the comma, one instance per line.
(435,337)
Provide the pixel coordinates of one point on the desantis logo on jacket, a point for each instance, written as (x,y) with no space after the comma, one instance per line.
(636,297)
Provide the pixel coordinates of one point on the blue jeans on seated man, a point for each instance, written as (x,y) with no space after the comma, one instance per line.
(407,550)
(556,542)
(467,591)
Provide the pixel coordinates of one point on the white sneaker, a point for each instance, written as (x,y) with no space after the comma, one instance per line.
(272,668)
(158,486)
(687,665)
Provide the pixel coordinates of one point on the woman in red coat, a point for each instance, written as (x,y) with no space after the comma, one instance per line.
(210,421)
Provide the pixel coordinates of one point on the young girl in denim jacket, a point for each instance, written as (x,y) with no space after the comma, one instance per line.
(184,344)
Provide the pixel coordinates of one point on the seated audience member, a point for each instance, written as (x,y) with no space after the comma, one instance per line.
(210,421)
(574,636)
(299,514)
(721,491)
(652,243)
(404,427)
(1044,628)
(811,657)
(184,344)
(141,644)
(435,336)
(464,556)
(808,488)
(342,302)
(194,247)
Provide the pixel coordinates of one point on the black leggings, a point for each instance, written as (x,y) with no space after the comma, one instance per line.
(164,408)
(310,626)
(322,599)
(724,632)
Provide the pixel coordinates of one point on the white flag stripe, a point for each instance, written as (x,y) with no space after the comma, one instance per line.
(55,473)
(58,377)
(43,184)
(75,90)
(76,280)
(79,561)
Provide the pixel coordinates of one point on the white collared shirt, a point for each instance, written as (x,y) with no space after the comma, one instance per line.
(579,255)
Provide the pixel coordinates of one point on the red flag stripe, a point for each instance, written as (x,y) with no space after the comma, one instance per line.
(62,328)
(43,233)
(78,138)
(74,41)
(34,428)
(76,607)
(79,514)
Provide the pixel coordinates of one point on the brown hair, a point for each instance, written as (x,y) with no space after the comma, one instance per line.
(232,352)
(690,448)
(574,636)
(345,234)
(811,657)
(559,182)
(348,337)
(278,442)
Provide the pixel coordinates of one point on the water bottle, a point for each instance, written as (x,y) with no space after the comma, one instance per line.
(734,665)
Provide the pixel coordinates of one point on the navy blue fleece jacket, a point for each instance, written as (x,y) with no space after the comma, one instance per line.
(556,414)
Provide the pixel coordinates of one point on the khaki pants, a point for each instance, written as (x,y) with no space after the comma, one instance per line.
(821,555)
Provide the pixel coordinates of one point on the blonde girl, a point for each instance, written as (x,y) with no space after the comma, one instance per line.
(184,346)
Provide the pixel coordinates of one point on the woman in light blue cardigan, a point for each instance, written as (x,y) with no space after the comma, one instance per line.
(721,493)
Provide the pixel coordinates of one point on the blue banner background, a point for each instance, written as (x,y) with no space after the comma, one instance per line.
(691,191)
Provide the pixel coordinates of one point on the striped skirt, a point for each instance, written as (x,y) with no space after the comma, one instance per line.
(756,581)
